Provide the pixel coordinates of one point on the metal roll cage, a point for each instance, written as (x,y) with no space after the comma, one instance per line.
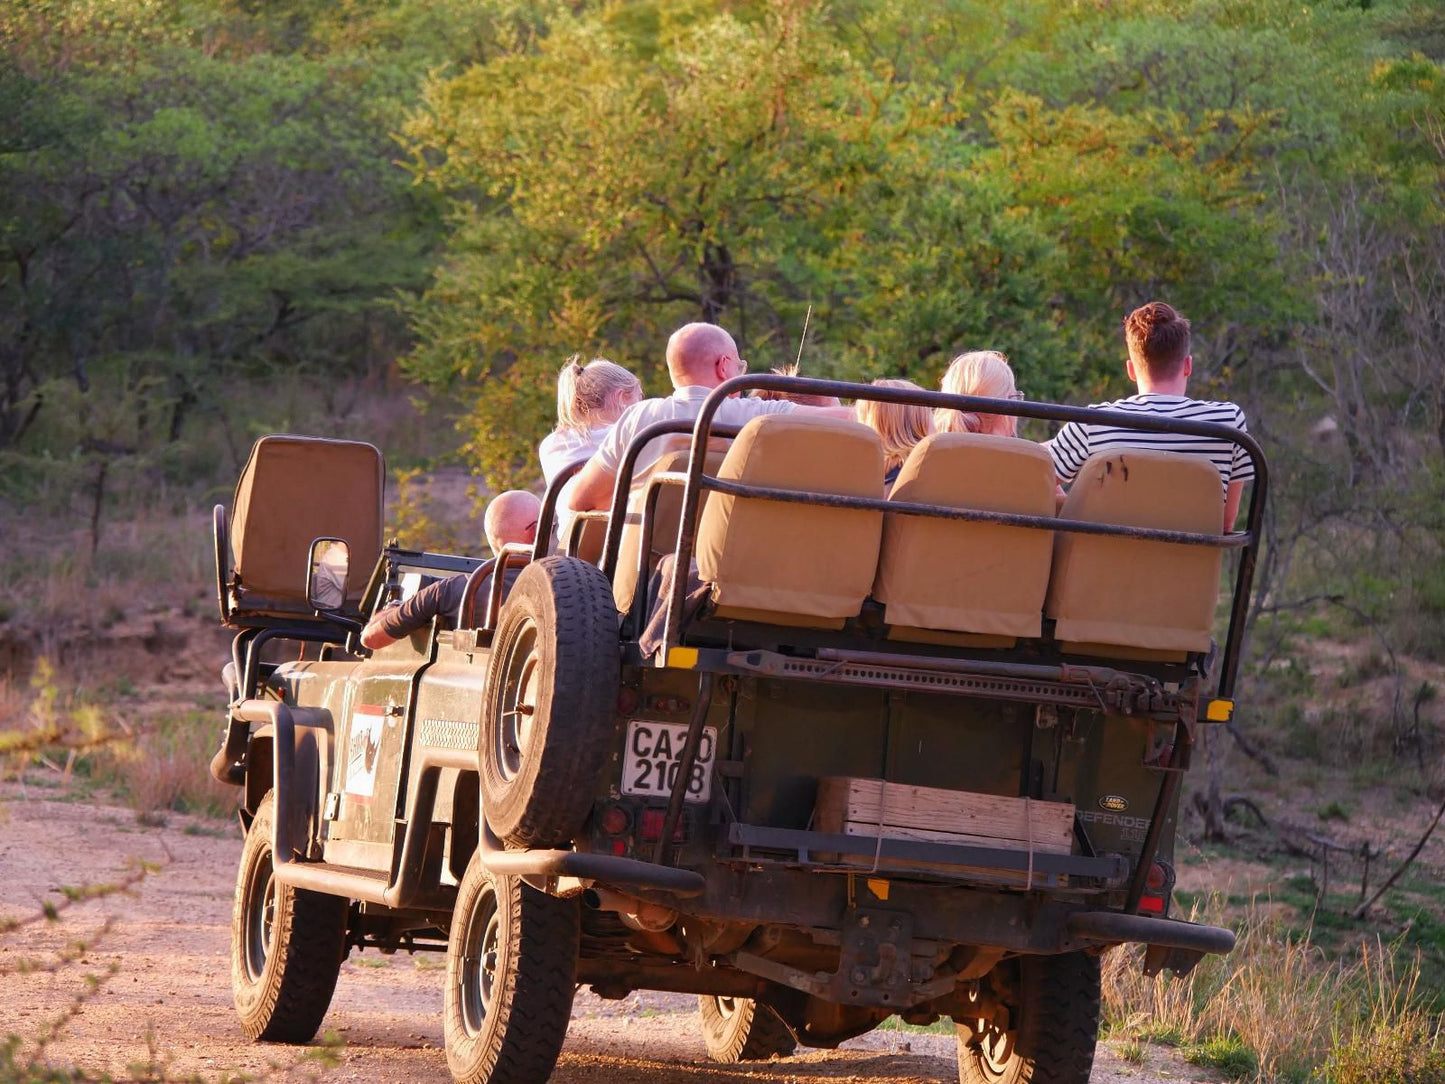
(695,482)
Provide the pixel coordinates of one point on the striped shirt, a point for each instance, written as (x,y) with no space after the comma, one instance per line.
(1077,441)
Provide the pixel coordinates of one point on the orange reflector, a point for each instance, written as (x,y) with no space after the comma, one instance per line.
(1219,711)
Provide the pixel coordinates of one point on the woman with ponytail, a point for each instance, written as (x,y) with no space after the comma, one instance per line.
(589,399)
(984,373)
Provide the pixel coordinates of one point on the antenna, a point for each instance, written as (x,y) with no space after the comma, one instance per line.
(803,339)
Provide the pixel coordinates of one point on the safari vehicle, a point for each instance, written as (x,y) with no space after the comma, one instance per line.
(918,755)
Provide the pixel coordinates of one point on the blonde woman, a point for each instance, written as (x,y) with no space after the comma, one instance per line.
(589,399)
(984,373)
(899,426)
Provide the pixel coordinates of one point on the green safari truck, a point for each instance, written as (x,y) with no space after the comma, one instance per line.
(762,731)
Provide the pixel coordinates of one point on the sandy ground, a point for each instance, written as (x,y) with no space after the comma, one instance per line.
(163,1004)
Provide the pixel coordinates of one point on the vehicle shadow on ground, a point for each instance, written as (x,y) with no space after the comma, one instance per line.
(583,1067)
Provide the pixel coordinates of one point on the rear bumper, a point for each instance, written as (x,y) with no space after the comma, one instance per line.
(1112,928)
(611,870)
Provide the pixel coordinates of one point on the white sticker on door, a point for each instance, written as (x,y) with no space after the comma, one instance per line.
(362,751)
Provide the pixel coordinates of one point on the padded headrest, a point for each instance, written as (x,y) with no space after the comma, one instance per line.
(961,576)
(292,491)
(1140,488)
(975,470)
(787,557)
(1126,592)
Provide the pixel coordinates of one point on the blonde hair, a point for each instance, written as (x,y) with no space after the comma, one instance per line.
(899,425)
(984,373)
(585,392)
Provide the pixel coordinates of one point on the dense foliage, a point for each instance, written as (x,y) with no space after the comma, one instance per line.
(944,177)
(197,198)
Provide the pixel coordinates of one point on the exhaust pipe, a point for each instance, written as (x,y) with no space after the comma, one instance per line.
(634,913)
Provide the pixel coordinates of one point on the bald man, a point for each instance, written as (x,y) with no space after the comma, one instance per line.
(511,517)
(699,358)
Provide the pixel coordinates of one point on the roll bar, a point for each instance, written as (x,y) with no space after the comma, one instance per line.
(695,481)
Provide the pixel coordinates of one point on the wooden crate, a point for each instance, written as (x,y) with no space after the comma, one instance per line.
(848,805)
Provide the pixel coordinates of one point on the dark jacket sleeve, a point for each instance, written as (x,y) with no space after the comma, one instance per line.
(442,597)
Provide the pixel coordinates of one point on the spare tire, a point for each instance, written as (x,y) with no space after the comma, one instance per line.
(548,714)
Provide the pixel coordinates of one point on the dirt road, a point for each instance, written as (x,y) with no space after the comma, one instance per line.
(163,1006)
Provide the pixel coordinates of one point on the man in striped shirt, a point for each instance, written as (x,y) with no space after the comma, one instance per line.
(1159,362)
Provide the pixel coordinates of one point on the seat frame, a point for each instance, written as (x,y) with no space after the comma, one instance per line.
(866,632)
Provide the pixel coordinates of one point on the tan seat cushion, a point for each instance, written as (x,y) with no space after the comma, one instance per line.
(592,536)
(1129,593)
(794,563)
(292,491)
(962,577)
(668,515)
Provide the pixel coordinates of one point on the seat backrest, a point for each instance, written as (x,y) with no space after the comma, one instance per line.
(668,514)
(960,576)
(592,536)
(294,490)
(786,563)
(1132,598)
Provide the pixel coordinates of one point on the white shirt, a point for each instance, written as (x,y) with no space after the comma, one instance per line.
(563,447)
(685,404)
(1075,442)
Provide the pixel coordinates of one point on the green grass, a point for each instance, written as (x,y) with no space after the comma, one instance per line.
(942,1026)
(1287,997)
(1226,1053)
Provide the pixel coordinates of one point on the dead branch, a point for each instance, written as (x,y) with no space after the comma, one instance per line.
(1359,912)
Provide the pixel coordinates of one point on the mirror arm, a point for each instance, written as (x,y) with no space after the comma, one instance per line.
(336,617)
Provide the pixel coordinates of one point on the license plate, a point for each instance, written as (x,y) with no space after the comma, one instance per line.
(654,755)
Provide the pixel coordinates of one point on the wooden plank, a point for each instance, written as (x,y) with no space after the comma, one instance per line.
(856,806)
(893,831)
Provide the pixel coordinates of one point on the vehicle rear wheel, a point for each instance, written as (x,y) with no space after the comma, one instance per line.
(1052,1031)
(511,973)
(740,1029)
(287,945)
(547,722)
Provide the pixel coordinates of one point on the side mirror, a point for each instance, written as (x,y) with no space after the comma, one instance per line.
(327,572)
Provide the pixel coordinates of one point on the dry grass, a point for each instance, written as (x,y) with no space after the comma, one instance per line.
(164,768)
(156,766)
(1276,1009)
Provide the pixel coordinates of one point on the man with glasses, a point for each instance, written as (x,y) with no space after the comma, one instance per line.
(511,517)
(699,358)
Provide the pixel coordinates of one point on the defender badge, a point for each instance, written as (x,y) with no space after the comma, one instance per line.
(1114,803)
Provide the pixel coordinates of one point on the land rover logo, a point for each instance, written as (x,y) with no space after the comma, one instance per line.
(1114,803)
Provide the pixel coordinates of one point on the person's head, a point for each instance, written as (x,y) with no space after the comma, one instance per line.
(801,398)
(593,394)
(511,517)
(703,355)
(899,425)
(985,373)
(1157,337)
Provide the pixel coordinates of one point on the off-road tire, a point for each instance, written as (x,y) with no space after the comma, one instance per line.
(740,1029)
(1053,1029)
(511,973)
(548,717)
(287,945)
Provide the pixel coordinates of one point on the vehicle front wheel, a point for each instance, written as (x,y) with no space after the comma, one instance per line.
(287,945)
(740,1029)
(1052,1031)
(511,973)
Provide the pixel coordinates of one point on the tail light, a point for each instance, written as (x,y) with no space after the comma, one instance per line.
(1158,884)
(649,825)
